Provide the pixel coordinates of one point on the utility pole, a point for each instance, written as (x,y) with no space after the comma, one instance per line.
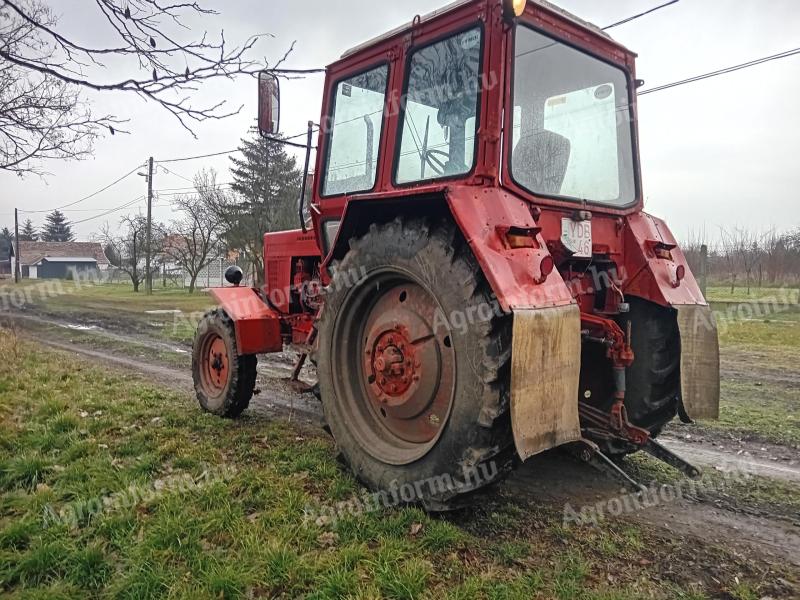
(703,268)
(16,249)
(148,285)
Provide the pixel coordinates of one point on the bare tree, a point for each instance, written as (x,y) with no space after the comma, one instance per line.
(44,71)
(41,116)
(194,239)
(129,248)
(742,253)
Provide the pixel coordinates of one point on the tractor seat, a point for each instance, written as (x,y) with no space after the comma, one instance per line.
(540,161)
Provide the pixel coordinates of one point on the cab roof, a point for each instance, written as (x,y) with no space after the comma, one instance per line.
(459,3)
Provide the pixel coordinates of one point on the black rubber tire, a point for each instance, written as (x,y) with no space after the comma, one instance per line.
(654,378)
(477,433)
(238,392)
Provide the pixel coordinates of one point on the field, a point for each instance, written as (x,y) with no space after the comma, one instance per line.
(265,510)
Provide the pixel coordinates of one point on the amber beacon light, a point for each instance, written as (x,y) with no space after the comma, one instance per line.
(514,8)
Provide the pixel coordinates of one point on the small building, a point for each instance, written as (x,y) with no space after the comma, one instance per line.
(59,260)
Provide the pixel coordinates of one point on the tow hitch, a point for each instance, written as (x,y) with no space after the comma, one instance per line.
(599,425)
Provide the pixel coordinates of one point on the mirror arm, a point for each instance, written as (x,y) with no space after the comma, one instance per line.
(284,142)
(305,176)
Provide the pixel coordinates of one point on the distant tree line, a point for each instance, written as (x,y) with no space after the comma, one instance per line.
(744,259)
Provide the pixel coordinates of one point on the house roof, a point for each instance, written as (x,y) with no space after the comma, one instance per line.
(67,259)
(31,253)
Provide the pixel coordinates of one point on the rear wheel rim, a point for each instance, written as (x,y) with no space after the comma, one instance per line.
(214,365)
(396,385)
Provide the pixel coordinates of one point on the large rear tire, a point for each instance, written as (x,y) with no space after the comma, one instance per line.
(653,381)
(413,366)
(654,378)
(223,380)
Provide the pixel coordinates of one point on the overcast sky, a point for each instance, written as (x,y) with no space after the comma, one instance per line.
(718,153)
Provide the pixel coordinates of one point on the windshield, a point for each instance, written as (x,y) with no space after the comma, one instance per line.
(571,123)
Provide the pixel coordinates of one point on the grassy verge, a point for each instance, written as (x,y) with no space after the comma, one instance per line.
(722,293)
(758,411)
(70,433)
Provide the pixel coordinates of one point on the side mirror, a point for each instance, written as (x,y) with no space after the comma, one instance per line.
(269,103)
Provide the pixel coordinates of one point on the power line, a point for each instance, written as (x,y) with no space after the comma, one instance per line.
(108,212)
(724,71)
(187,158)
(642,14)
(617,24)
(100,191)
(176,174)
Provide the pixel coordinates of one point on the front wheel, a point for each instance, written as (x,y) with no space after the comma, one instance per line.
(223,380)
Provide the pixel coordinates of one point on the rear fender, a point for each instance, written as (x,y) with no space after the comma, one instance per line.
(257,326)
(654,278)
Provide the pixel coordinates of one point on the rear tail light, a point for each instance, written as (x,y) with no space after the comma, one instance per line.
(545,268)
(662,253)
(547,265)
(522,237)
(680,273)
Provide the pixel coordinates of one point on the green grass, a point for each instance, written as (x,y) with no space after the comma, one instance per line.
(722,293)
(753,410)
(71,433)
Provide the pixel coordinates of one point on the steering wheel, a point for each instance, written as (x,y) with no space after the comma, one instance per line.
(434,162)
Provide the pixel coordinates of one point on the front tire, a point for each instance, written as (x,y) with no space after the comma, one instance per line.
(224,381)
(414,366)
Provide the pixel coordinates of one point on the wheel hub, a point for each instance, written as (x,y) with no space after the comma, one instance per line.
(215,364)
(409,372)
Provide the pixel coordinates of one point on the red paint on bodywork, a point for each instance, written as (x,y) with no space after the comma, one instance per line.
(484,215)
(281,250)
(651,277)
(257,327)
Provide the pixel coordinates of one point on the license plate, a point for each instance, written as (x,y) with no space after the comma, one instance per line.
(577,237)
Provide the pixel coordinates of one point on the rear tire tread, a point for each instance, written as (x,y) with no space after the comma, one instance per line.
(492,439)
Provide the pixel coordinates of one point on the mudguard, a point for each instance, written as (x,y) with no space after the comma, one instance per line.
(257,326)
(699,361)
(545,370)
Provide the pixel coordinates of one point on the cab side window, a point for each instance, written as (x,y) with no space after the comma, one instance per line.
(355,132)
(440,109)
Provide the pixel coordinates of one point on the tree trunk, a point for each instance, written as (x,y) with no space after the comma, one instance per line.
(192,283)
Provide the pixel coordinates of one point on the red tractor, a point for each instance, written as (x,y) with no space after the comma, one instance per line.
(475,278)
